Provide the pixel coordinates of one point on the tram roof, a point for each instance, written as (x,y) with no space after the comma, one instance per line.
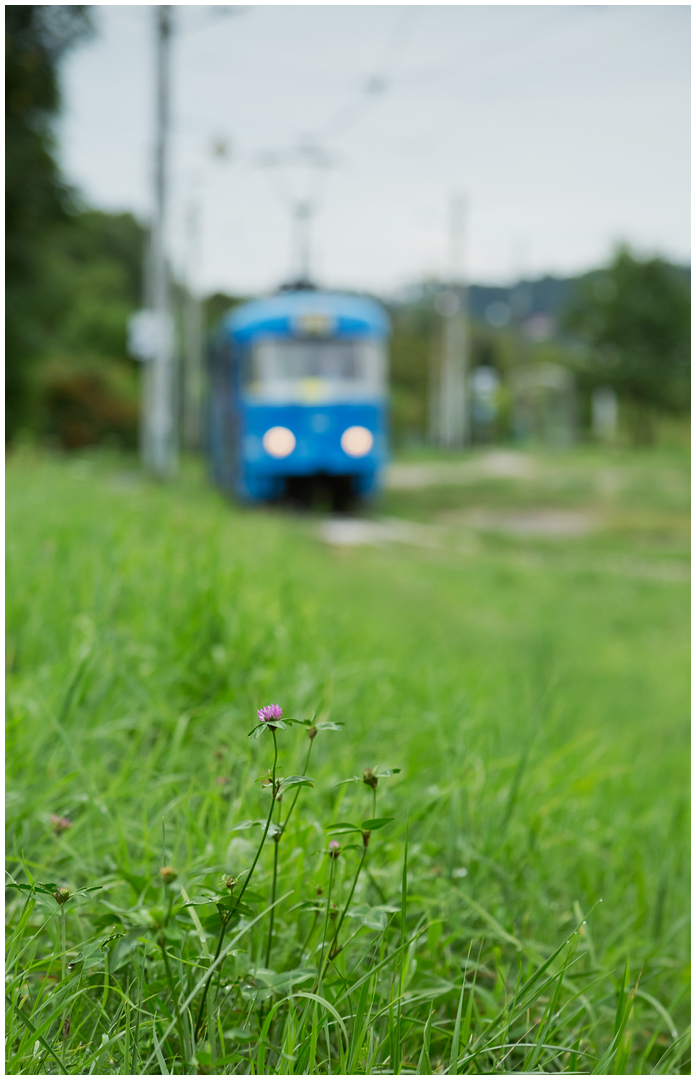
(288,312)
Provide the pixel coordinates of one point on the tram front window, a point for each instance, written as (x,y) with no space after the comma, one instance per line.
(286,368)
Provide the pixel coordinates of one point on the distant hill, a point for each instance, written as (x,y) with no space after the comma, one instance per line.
(496,304)
(545,296)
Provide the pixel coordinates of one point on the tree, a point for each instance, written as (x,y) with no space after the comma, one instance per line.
(636,318)
(95,263)
(36,36)
(86,383)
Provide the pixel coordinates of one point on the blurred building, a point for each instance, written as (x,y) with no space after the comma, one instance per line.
(543,404)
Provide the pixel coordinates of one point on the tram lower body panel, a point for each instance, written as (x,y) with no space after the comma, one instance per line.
(281,446)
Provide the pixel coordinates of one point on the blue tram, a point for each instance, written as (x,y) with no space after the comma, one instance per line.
(298,397)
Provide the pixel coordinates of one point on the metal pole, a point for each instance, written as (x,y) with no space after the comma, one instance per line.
(161,441)
(303,216)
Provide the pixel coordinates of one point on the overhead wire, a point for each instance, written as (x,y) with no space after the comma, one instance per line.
(379,83)
(441,67)
(372,93)
(309,149)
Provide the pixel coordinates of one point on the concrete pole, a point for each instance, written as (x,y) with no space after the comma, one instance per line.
(146,368)
(453,404)
(193,339)
(453,306)
(160,445)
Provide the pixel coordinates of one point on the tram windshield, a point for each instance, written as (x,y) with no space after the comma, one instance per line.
(298,368)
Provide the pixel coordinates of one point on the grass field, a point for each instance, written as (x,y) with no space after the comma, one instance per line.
(531,688)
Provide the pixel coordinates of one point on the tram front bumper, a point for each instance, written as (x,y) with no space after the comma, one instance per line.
(297,441)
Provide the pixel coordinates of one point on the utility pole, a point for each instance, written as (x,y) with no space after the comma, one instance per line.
(302,206)
(193,338)
(159,444)
(519,298)
(453,306)
(303,221)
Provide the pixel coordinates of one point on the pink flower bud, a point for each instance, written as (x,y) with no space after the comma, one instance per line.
(60,824)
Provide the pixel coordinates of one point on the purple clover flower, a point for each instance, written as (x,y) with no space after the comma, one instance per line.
(334,849)
(60,824)
(269,712)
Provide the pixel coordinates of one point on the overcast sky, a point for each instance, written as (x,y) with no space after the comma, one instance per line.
(566,129)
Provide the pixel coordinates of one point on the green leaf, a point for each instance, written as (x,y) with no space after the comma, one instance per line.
(91,956)
(228,1059)
(372,918)
(38,886)
(257,732)
(230,904)
(102,921)
(253,897)
(137,883)
(308,905)
(212,924)
(328,725)
(375,823)
(124,947)
(294,781)
(351,780)
(283,981)
(246,825)
(387,772)
(344,826)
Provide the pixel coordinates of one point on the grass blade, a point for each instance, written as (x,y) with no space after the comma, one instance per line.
(454,1050)
(424,1067)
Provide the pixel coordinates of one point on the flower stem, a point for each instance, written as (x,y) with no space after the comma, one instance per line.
(309,935)
(273,896)
(326,923)
(63,944)
(297,793)
(277,838)
(333,950)
(226,921)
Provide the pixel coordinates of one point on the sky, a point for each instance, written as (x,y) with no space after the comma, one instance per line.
(480,142)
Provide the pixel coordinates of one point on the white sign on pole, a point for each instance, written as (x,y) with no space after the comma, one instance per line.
(148,331)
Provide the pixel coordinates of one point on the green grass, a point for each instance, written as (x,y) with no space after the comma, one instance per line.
(534,696)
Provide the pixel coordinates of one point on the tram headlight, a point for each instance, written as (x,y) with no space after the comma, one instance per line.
(279,442)
(357,441)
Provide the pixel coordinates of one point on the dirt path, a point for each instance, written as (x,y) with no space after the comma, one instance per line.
(355,532)
(495,463)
